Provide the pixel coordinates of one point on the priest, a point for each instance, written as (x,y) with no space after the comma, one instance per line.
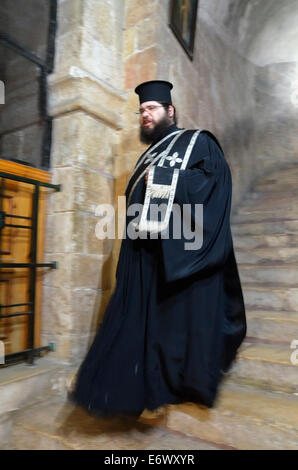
(176,317)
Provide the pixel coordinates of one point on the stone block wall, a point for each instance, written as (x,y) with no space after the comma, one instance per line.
(254,69)
(174,65)
(227,102)
(215,91)
(86,101)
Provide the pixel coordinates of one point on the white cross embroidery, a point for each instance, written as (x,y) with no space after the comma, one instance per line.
(174,159)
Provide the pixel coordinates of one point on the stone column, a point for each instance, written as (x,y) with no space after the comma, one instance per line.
(86,102)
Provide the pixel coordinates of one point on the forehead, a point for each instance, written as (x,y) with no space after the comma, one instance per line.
(149,103)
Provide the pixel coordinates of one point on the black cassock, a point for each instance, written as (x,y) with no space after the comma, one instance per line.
(176,317)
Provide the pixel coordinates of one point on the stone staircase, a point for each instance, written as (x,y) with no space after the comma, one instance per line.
(257,405)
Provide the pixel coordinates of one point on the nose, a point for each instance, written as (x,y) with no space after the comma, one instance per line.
(145,113)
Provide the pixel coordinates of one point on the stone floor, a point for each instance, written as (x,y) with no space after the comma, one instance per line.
(58,425)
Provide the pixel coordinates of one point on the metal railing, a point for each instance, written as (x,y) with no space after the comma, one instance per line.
(30,351)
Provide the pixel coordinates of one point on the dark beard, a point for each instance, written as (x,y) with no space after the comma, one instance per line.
(147,136)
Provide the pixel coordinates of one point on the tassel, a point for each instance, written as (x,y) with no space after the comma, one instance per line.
(159,191)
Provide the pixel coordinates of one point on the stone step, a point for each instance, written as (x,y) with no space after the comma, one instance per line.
(22,384)
(283,240)
(281,274)
(287,193)
(259,313)
(278,255)
(282,180)
(272,215)
(264,297)
(264,227)
(259,193)
(244,418)
(267,366)
(270,205)
(277,184)
(272,326)
(59,425)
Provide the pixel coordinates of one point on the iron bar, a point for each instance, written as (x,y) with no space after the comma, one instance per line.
(10,358)
(18,226)
(2,214)
(16,305)
(23,179)
(28,265)
(18,216)
(35,201)
(7,41)
(18,314)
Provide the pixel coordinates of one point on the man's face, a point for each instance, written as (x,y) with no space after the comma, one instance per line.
(154,119)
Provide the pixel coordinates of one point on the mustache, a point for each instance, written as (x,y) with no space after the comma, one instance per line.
(147,135)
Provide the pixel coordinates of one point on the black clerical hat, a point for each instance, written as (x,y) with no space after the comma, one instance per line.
(155,90)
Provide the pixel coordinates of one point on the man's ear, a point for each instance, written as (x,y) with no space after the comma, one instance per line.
(171,111)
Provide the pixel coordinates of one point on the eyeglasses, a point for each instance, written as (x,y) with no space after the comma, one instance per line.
(149,109)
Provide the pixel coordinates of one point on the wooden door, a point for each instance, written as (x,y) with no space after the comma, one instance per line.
(16,247)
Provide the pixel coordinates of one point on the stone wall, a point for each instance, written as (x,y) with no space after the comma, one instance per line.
(253,46)
(208,91)
(86,102)
(276,117)
(173,64)
(227,101)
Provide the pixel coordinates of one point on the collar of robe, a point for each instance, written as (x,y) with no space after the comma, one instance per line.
(147,159)
(164,169)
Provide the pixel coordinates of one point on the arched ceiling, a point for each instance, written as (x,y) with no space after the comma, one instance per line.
(264,31)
